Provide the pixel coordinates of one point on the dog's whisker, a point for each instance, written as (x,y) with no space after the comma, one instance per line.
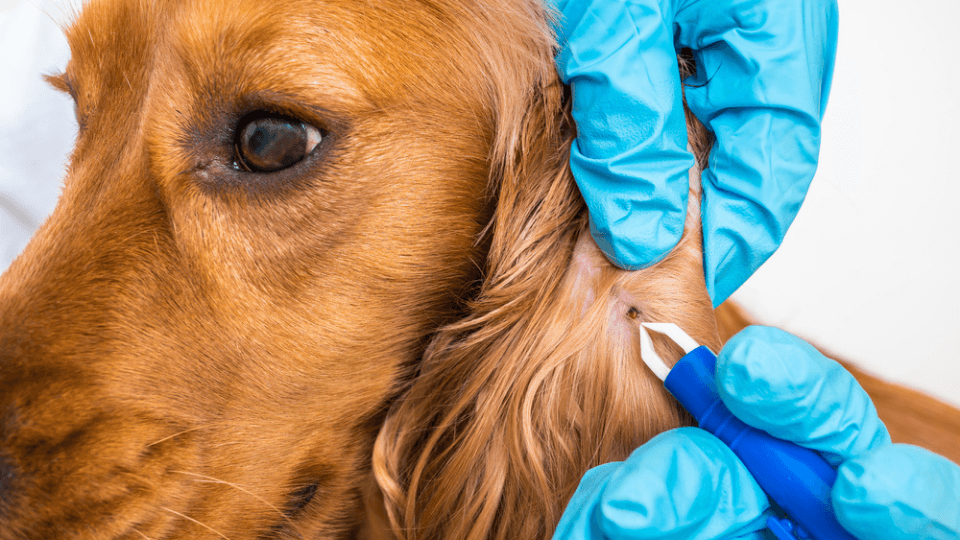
(141,534)
(141,233)
(177,434)
(45,12)
(242,489)
(200,523)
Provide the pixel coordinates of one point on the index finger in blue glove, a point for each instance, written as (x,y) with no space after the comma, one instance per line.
(764,71)
(781,384)
(899,492)
(763,77)
(630,159)
(682,484)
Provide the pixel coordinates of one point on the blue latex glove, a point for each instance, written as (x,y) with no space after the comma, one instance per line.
(685,484)
(764,70)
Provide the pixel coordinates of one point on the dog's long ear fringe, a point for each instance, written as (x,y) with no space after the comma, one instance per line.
(542,379)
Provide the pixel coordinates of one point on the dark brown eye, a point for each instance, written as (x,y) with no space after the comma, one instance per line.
(267,143)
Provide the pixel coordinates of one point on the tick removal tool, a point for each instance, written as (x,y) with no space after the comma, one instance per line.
(797,479)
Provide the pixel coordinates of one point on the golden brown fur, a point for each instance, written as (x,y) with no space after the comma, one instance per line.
(539,383)
(409,331)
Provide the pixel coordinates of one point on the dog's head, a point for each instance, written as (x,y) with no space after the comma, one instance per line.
(271,209)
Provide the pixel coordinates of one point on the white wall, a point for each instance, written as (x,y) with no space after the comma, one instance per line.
(37,126)
(869,270)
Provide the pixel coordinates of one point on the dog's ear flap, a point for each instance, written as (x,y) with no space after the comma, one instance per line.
(452,448)
(542,379)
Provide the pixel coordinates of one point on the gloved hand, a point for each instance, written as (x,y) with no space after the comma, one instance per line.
(685,484)
(764,70)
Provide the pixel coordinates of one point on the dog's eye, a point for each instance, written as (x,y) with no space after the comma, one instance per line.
(267,143)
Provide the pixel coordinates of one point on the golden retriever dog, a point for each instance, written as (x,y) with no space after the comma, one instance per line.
(319,270)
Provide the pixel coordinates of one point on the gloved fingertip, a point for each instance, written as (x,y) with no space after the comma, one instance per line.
(577,520)
(763,363)
(631,245)
(628,256)
(680,484)
(898,492)
(781,384)
(668,467)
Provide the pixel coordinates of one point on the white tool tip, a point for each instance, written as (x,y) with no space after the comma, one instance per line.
(674,332)
(650,356)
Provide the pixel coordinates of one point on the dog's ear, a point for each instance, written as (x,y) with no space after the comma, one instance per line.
(542,379)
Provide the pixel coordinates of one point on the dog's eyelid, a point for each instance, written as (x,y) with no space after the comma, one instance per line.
(292,106)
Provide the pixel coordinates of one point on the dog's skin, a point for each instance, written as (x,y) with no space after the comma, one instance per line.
(406,333)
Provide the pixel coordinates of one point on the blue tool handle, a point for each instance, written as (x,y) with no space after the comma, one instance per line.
(798,479)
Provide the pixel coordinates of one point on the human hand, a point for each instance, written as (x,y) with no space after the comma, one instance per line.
(686,484)
(763,75)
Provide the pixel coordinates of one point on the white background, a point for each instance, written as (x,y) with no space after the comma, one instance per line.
(870,268)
